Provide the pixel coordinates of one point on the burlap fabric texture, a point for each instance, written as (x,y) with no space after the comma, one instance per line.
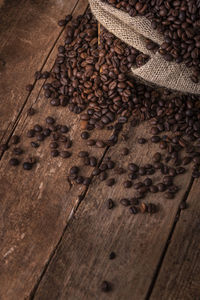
(134,31)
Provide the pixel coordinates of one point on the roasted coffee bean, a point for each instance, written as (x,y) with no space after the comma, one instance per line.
(186,160)
(148,181)
(180,170)
(27,166)
(133,210)
(142,140)
(46,132)
(172,172)
(153,189)
(63,138)
(79,179)
(29,87)
(183,205)
(125,151)
(15,139)
(133,167)
(68,18)
(134,201)
(157,157)
(103,167)
(91,142)
(74,170)
(65,154)
(143,207)
(100,144)
(83,154)
(106,286)
(40,137)
(163,145)
(93,161)
(127,184)
(125,202)
(4,147)
(68,144)
(168,180)
(62,22)
(138,185)
(169,195)
(85,135)
(110,164)
(86,161)
(96,172)
(161,187)
(151,208)
(155,139)
(14,162)
(103,176)
(30,133)
(37,128)
(53,145)
(64,129)
(142,171)
(173,189)
(50,120)
(196,160)
(35,144)
(54,153)
(18,151)
(112,255)
(110,182)
(86,181)
(110,203)
(132,176)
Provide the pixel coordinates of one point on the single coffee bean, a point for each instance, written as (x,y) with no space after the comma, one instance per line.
(169,195)
(46,132)
(85,135)
(110,182)
(31,111)
(180,170)
(151,208)
(96,171)
(100,144)
(74,170)
(68,18)
(86,161)
(103,167)
(68,144)
(79,179)
(103,176)
(35,144)
(37,128)
(148,181)
(173,189)
(142,171)
(14,162)
(91,142)
(110,164)
(15,139)
(155,139)
(93,161)
(62,22)
(138,185)
(27,166)
(106,286)
(112,255)
(161,187)
(157,157)
(65,154)
(127,184)
(142,140)
(125,202)
(29,87)
(133,210)
(110,203)
(50,120)
(54,153)
(168,180)
(133,167)
(86,181)
(125,151)
(30,133)
(132,176)
(53,145)
(18,151)
(64,129)
(40,137)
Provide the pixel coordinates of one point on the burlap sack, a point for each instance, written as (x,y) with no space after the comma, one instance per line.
(133,31)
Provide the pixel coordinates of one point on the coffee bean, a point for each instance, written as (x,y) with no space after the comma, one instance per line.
(127,184)
(86,161)
(142,171)
(110,203)
(79,179)
(180,170)
(103,176)
(14,162)
(112,255)
(62,22)
(91,142)
(68,144)
(155,139)
(53,145)
(110,182)
(168,180)
(110,164)
(64,129)
(106,286)
(133,210)
(161,187)
(143,207)
(18,151)
(125,202)
(157,157)
(152,208)
(132,176)
(40,137)
(27,166)
(148,181)
(85,135)
(30,133)
(68,18)
(96,172)
(29,87)
(138,185)
(142,140)
(65,154)
(50,120)
(35,144)
(46,132)
(133,167)
(54,153)
(83,154)
(15,139)
(74,170)
(153,189)
(93,161)
(169,195)
(86,181)
(37,128)
(125,151)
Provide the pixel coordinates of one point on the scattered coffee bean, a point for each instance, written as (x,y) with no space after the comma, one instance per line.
(54,153)
(125,202)
(18,151)
(85,135)
(112,255)
(127,184)
(65,154)
(142,140)
(15,139)
(110,182)
(27,166)
(110,203)
(106,286)
(83,154)
(14,162)
(29,87)
(125,151)
(133,210)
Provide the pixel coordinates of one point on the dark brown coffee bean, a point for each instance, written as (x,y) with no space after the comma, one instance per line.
(79,179)
(180,170)
(62,22)
(65,154)
(96,172)
(40,137)
(169,195)
(31,111)
(64,129)
(138,185)
(93,161)
(112,255)
(110,203)
(54,153)
(91,142)
(15,139)
(168,180)
(18,151)
(14,162)
(106,287)
(148,181)
(153,189)
(142,141)
(83,154)
(133,167)
(161,187)
(183,205)
(4,147)
(125,151)
(110,164)
(86,181)
(46,132)
(133,210)
(86,161)
(30,133)
(132,176)
(152,208)
(85,135)
(155,139)
(74,170)
(35,144)
(142,171)
(50,120)
(157,157)
(37,128)
(196,160)
(127,184)
(53,145)
(68,144)
(110,182)
(103,176)
(29,87)
(100,144)
(27,166)
(125,202)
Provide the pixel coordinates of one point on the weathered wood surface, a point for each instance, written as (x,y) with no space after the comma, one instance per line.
(179,277)
(81,261)
(28,32)
(36,205)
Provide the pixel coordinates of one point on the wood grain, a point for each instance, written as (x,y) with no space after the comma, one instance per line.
(179,277)
(81,262)
(28,32)
(36,205)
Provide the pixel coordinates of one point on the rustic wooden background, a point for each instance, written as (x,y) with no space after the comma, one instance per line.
(54,246)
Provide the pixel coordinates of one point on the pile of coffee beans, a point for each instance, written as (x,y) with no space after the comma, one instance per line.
(178,22)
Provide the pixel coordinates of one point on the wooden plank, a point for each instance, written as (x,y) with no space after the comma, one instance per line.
(179,277)
(28,31)
(81,262)
(36,205)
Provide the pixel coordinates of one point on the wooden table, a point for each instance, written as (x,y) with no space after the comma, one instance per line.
(54,245)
